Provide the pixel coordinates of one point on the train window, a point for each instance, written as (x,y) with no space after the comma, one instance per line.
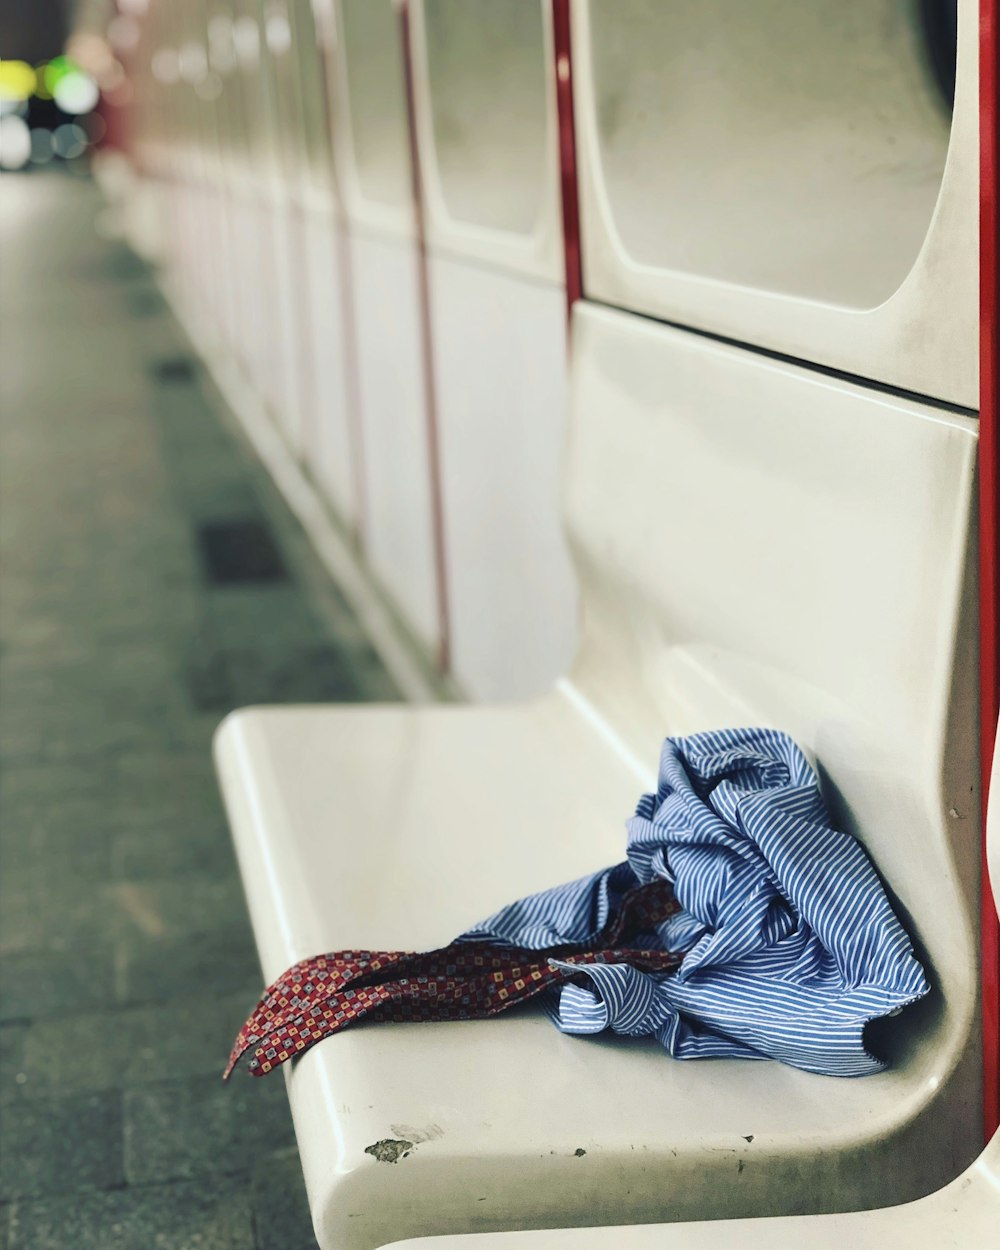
(249,52)
(281,69)
(222,54)
(373,53)
(312,98)
(488,90)
(787,147)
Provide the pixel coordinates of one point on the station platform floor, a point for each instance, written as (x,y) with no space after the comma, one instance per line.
(131,620)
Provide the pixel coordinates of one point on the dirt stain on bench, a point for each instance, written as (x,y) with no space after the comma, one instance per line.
(389,1149)
(417,1135)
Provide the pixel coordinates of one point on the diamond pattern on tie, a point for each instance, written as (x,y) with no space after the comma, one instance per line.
(324,994)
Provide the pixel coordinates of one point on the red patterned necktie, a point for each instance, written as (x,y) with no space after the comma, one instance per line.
(320,996)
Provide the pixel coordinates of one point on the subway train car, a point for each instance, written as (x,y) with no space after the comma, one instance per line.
(631,365)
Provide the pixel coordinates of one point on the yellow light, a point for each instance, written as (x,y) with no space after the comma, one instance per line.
(17,80)
(41,89)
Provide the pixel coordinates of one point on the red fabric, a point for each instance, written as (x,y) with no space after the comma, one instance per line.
(322,995)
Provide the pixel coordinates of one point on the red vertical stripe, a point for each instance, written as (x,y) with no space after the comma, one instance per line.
(989,512)
(430,381)
(567,152)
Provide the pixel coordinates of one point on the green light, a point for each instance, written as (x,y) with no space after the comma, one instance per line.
(56,70)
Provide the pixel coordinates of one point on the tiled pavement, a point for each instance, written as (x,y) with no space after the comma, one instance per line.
(126,959)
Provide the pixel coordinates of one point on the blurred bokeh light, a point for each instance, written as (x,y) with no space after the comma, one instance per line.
(47,110)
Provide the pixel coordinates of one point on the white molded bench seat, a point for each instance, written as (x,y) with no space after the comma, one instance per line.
(361,821)
(390,828)
(965,1215)
(715,498)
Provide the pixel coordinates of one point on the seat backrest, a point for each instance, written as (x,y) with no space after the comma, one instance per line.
(761,544)
(789,175)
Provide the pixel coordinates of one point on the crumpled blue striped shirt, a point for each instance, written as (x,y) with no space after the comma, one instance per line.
(791,946)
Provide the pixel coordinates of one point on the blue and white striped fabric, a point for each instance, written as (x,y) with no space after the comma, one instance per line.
(791,946)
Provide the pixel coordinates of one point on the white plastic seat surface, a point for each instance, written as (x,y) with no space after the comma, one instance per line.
(392,829)
(402,826)
(964,1215)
